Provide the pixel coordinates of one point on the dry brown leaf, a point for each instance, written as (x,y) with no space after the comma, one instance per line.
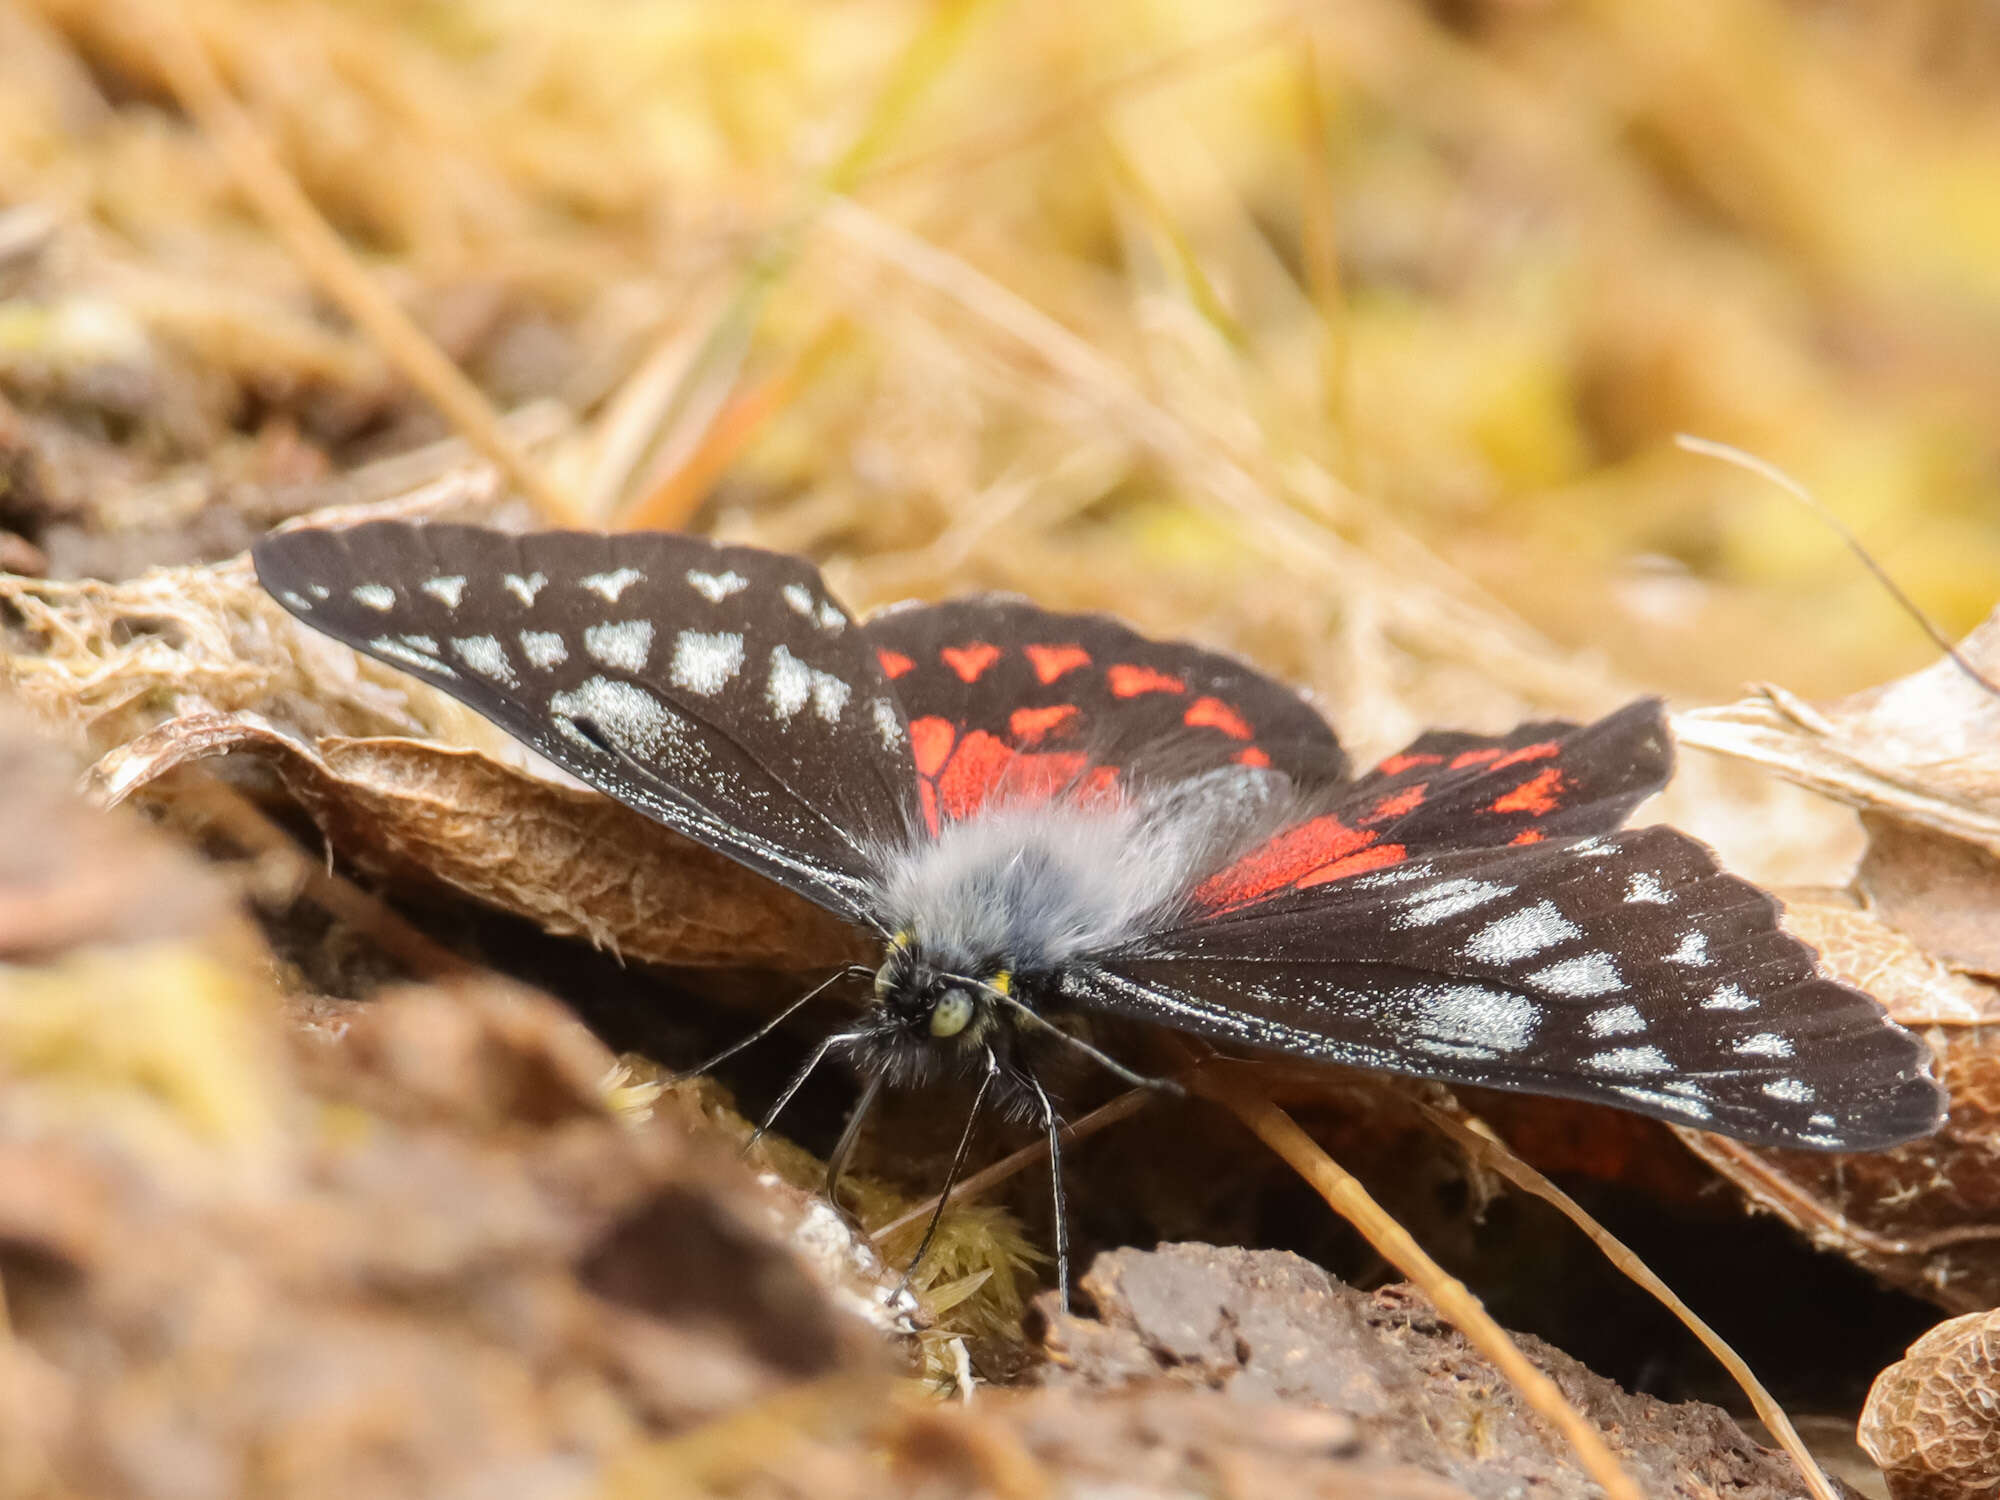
(1923,750)
(1929,1422)
(574,862)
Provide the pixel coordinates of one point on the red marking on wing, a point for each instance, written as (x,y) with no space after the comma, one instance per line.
(969,661)
(1050,662)
(1476,757)
(1282,862)
(1376,857)
(894,663)
(930,741)
(983,769)
(1251,757)
(1030,725)
(1538,795)
(1128,681)
(1409,799)
(1528,836)
(1396,765)
(1213,713)
(1541,751)
(973,774)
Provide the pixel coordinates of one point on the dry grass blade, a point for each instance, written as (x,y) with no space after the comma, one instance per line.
(184,59)
(1490,1151)
(1454,1302)
(701,426)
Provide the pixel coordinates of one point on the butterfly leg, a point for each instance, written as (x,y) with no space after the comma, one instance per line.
(957,1165)
(798,1082)
(836,1162)
(1052,1123)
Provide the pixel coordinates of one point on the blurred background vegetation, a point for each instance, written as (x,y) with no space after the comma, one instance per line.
(1339,332)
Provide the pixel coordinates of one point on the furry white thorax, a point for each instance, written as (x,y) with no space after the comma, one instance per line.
(1032,886)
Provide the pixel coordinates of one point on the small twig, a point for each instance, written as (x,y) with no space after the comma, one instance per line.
(191,73)
(1124,1106)
(1450,1296)
(1479,1139)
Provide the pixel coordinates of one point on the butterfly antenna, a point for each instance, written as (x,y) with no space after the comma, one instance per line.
(957,1166)
(1772,474)
(1103,1059)
(769,1026)
(798,1082)
(1052,1123)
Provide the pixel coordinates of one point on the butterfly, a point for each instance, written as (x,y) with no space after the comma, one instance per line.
(1044,815)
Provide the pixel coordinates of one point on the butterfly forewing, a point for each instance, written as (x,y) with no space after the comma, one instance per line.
(1007,699)
(718,689)
(1624,969)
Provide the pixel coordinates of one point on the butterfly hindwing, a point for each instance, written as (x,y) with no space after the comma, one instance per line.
(1006,699)
(1625,969)
(717,689)
(1455,791)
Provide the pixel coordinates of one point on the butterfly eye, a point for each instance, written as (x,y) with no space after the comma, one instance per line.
(952,1014)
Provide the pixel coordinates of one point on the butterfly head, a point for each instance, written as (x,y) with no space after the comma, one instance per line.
(927,999)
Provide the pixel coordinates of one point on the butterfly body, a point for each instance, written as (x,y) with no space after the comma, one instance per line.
(1043,815)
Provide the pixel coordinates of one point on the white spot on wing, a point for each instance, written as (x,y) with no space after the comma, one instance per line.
(1693,951)
(1621,1020)
(830,619)
(1475,1016)
(544,648)
(424,643)
(1670,1103)
(447,589)
(703,662)
(799,597)
(1521,934)
(486,656)
(629,716)
(715,587)
(1729,997)
(887,723)
(405,650)
(624,644)
(1580,978)
(525,589)
(296,601)
(608,586)
(319,591)
(1792,1091)
(1448,898)
(1633,1060)
(830,696)
(376,596)
(1398,875)
(790,683)
(1764,1044)
(1644,888)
